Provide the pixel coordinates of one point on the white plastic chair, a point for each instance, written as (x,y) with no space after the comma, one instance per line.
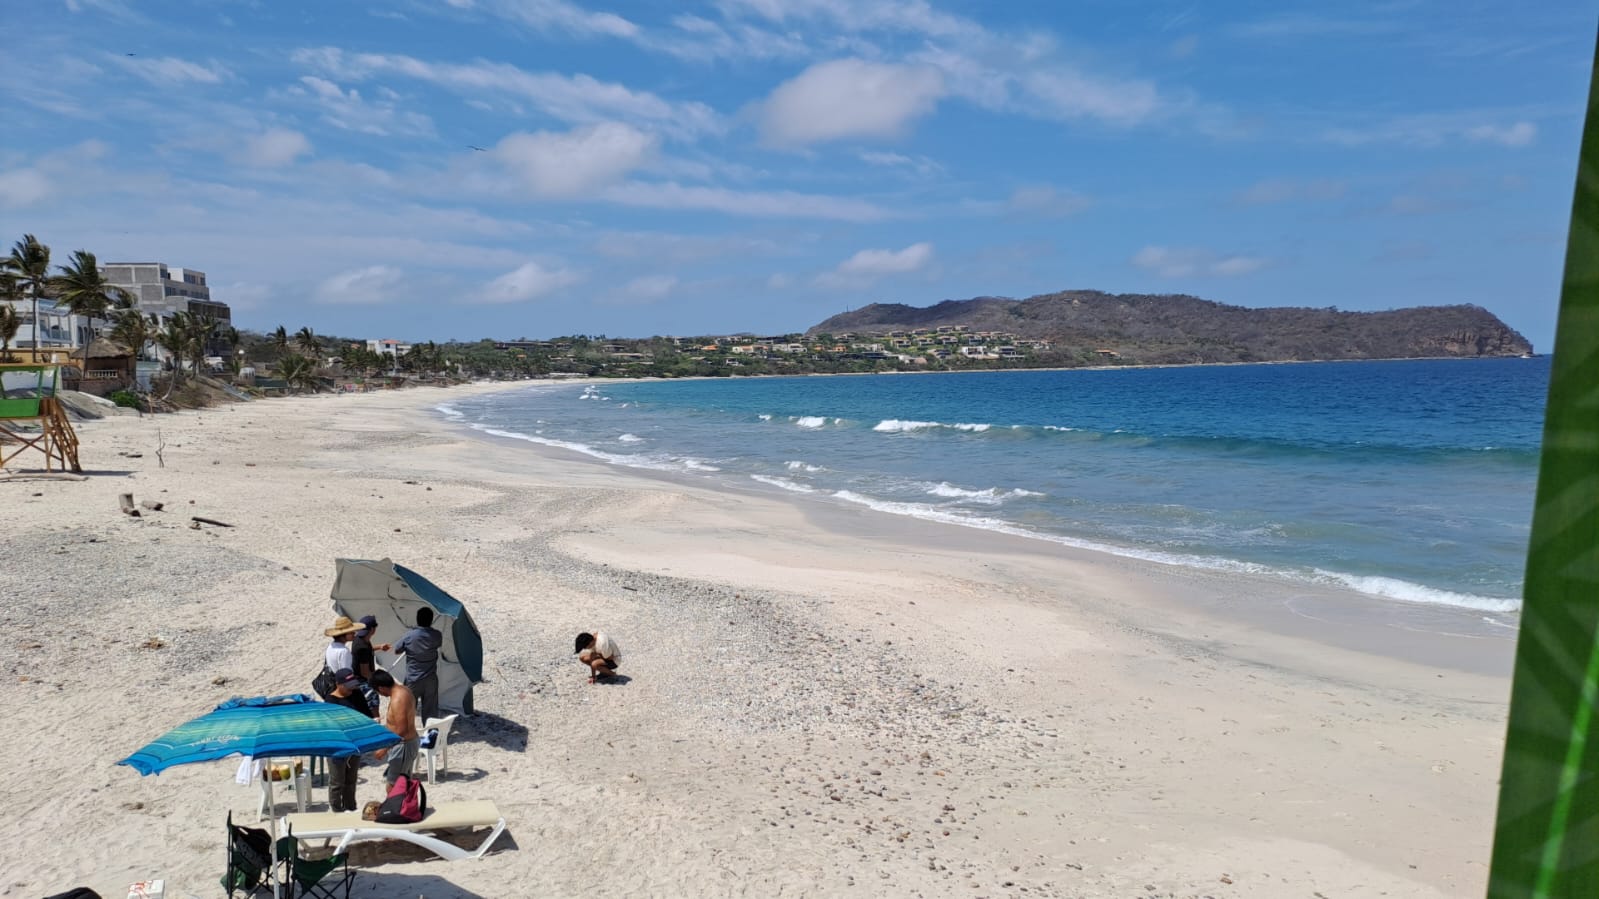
(299,781)
(438,756)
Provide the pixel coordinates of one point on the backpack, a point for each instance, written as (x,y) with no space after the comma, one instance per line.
(324,683)
(406,802)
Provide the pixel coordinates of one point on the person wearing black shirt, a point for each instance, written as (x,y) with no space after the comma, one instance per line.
(352,692)
(361,647)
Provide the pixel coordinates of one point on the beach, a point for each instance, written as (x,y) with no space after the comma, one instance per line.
(820,700)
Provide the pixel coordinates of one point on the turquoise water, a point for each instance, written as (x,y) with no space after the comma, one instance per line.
(1409,480)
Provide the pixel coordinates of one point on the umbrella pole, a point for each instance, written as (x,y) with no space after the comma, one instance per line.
(272,814)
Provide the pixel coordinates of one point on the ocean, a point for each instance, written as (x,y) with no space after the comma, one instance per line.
(1407,480)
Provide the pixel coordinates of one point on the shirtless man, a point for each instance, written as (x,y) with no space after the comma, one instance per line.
(599,653)
(400,718)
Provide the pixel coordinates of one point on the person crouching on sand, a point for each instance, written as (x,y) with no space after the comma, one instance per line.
(599,652)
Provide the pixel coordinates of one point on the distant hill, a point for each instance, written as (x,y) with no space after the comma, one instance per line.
(1166,329)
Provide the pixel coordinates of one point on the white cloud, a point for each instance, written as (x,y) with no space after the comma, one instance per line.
(1187,262)
(69,171)
(1044,200)
(764,204)
(364,286)
(347,109)
(904,16)
(243,295)
(23,187)
(920,165)
(274,148)
(1520,134)
(866,266)
(1435,129)
(779,281)
(849,98)
(576,162)
(167,70)
(887,262)
(555,15)
(578,99)
(649,287)
(1069,94)
(527,282)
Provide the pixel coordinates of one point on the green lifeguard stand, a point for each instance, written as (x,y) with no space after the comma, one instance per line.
(28,398)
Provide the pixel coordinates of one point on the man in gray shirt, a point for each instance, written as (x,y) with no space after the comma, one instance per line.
(420,646)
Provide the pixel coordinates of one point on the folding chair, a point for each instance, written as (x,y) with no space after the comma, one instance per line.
(249,859)
(319,877)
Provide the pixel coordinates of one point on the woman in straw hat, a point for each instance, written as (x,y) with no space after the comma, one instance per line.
(338,655)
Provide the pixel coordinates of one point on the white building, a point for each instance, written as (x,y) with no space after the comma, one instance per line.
(58,328)
(388,347)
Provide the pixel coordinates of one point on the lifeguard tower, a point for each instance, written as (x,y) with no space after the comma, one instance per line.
(27,401)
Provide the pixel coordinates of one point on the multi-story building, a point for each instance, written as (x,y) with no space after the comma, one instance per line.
(58,328)
(161,290)
(388,347)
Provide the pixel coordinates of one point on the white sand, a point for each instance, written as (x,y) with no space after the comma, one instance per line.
(823,701)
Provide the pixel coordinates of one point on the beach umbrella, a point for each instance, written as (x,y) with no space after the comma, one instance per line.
(264,727)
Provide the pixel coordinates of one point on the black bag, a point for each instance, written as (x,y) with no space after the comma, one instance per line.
(324,683)
(79,893)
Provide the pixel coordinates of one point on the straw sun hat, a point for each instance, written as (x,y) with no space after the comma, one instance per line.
(342,625)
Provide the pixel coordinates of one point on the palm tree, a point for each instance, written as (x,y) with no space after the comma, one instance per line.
(10,324)
(134,330)
(202,328)
(280,339)
(85,290)
(297,371)
(30,262)
(230,336)
(306,340)
(175,337)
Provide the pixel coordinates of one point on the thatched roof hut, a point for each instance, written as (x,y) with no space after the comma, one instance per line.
(101,348)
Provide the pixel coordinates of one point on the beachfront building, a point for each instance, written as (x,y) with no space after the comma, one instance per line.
(58,329)
(388,346)
(161,290)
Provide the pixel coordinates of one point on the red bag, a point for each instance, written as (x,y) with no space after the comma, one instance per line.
(406,803)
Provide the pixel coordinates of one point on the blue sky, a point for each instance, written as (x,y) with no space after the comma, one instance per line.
(656,167)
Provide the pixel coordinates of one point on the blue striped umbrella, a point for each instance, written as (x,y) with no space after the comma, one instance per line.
(264,727)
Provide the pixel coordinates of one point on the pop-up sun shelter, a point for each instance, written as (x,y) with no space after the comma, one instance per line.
(393,594)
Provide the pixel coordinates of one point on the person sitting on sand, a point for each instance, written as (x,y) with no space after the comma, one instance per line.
(599,652)
(400,718)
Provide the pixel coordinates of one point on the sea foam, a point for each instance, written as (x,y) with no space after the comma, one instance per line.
(784,483)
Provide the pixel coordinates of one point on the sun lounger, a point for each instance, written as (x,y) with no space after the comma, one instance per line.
(348,828)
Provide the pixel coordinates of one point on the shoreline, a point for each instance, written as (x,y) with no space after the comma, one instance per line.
(1475,614)
(820,701)
(1357,621)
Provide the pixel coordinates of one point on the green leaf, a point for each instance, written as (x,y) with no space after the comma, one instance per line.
(1546,842)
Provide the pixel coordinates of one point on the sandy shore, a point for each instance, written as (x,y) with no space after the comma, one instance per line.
(822,700)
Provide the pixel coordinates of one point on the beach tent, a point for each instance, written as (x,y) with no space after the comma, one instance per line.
(393,594)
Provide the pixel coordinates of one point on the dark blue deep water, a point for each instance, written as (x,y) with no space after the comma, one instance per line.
(1410,480)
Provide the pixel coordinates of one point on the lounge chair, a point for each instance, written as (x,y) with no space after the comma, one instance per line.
(349,828)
